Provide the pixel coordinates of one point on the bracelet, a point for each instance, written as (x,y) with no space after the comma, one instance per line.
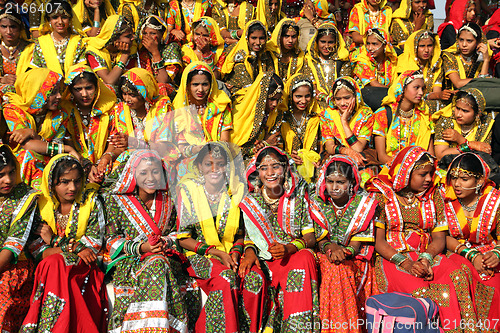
(209,248)
(496,252)
(113,155)
(457,247)
(464,147)
(138,249)
(428,256)
(197,247)
(121,65)
(238,248)
(251,246)
(299,243)
(188,151)
(473,256)
(325,244)
(351,249)
(61,148)
(158,65)
(97,24)
(352,140)
(234,34)
(79,248)
(398,258)
(337,150)
(141,144)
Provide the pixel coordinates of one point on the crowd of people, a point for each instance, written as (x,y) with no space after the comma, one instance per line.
(172,148)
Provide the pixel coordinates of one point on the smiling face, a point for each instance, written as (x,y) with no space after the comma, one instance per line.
(54,98)
(83,92)
(60,23)
(272,173)
(68,186)
(149,176)
(418,6)
(199,87)
(213,170)
(256,40)
(343,99)
(301,97)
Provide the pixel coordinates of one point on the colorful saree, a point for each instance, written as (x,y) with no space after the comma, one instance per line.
(345,287)
(69,295)
(294,279)
(324,72)
(90,136)
(481,232)
(86,15)
(360,18)
(176,15)
(16,278)
(408,230)
(402,26)
(240,67)
(219,224)
(148,294)
(25,109)
(399,134)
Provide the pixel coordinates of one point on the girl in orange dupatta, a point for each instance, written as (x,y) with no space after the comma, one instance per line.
(410,237)
(181,16)
(368,14)
(472,210)
(346,211)
(36,122)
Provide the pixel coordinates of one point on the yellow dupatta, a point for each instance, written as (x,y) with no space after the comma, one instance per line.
(262,13)
(274,45)
(252,99)
(242,16)
(362,8)
(48,202)
(201,207)
(312,55)
(81,13)
(147,87)
(50,53)
(332,115)
(103,105)
(393,98)
(32,91)
(241,49)
(404,13)
(216,39)
(217,102)
(408,61)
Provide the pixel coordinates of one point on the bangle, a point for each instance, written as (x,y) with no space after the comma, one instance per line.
(121,65)
(351,249)
(464,147)
(325,244)
(61,148)
(352,140)
(138,249)
(234,34)
(113,155)
(398,258)
(299,243)
(158,65)
(457,247)
(141,144)
(251,246)
(209,248)
(337,150)
(197,247)
(79,248)
(97,24)
(428,256)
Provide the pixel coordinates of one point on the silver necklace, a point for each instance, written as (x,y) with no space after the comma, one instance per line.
(469,208)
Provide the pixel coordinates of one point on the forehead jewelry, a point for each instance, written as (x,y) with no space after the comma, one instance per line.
(377,35)
(335,174)
(455,172)
(469,29)
(423,165)
(290,29)
(341,85)
(2,156)
(216,152)
(300,83)
(464,100)
(413,77)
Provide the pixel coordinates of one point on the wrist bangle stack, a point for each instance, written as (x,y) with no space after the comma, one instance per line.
(202,248)
(55,240)
(97,24)
(496,252)
(132,248)
(337,150)
(234,34)
(299,243)
(458,247)
(237,248)
(464,147)
(158,65)
(141,144)
(469,253)
(351,249)
(79,248)
(428,256)
(121,65)
(352,140)
(398,259)
(251,246)
(324,245)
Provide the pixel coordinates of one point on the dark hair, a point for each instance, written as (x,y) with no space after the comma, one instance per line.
(287,26)
(91,77)
(126,83)
(345,82)
(467,162)
(476,28)
(154,21)
(276,82)
(257,26)
(328,31)
(310,86)
(53,5)
(6,157)
(463,94)
(268,151)
(207,149)
(343,168)
(63,166)
(197,72)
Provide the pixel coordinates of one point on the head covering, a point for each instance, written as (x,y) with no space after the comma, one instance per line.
(82,13)
(409,60)
(15,17)
(362,10)
(146,23)
(48,202)
(396,90)
(33,89)
(457,15)
(126,182)
(241,52)
(112,28)
(249,113)
(75,24)
(340,49)
(145,84)
(263,14)
(390,53)
(404,10)
(486,170)
(493,23)
(275,43)
(321,182)
(321,8)
(476,94)
(293,83)
(332,114)
(215,39)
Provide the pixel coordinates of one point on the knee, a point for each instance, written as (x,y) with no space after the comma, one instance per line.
(254,281)
(228,276)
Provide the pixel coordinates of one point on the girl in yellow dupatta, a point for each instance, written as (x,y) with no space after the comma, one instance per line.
(135,11)
(247,58)
(368,14)
(90,104)
(206,45)
(410,17)
(269,13)
(160,58)
(256,119)
(464,125)
(422,52)
(211,231)
(110,53)
(284,44)
(93,15)
(300,128)
(36,122)
(138,117)
(403,120)
(59,45)
(181,16)
(326,54)
(461,61)
(232,18)
(376,63)
(70,235)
